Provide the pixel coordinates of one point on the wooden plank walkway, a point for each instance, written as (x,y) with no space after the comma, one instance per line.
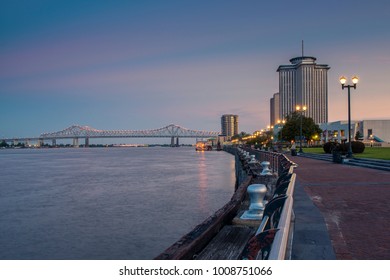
(228,244)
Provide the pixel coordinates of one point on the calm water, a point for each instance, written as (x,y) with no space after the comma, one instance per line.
(106,203)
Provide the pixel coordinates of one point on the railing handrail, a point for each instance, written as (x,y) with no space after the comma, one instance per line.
(279,250)
(274,158)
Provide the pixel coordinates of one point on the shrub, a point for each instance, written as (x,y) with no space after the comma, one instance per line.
(329,146)
(357,147)
(343,148)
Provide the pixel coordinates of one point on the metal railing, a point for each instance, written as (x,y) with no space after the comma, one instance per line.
(278,215)
(281,246)
(278,161)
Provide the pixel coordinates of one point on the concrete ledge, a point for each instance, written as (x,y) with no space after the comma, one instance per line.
(311,237)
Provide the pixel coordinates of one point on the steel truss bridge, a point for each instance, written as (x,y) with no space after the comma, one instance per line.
(76,132)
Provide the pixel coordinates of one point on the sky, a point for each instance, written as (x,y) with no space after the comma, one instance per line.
(147,64)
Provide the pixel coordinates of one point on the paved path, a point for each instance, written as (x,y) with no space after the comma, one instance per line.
(355,205)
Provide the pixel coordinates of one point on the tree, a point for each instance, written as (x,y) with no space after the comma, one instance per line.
(358,135)
(258,140)
(3,144)
(291,129)
(241,135)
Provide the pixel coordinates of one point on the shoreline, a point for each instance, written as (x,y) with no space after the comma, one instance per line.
(227,221)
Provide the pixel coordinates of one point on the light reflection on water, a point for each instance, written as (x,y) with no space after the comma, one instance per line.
(115,203)
(202,183)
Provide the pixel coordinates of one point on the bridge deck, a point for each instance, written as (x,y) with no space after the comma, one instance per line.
(77,131)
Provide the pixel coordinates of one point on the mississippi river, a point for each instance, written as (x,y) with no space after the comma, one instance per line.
(106,203)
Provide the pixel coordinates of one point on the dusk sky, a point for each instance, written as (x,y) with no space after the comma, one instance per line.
(146,64)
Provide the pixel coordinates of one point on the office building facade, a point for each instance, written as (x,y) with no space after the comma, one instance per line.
(304,83)
(274,109)
(229,125)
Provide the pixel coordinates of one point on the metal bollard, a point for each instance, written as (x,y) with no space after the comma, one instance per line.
(253,159)
(256,194)
(266,170)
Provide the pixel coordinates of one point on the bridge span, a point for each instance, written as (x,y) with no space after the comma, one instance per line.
(77,132)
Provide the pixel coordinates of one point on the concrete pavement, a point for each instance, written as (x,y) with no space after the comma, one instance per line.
(341,211)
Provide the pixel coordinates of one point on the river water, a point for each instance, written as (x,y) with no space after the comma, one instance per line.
(106,203)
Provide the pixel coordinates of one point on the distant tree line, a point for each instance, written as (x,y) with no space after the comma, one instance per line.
(3,144)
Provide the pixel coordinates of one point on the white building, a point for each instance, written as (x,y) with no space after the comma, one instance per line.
(371,131)
(304,83)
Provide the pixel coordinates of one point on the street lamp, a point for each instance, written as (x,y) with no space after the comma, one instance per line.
(355,80)
(281,124)
(300,110)
(269,133)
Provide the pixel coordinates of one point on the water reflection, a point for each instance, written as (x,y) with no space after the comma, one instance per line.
(233,171)
(118,203)
(202,182)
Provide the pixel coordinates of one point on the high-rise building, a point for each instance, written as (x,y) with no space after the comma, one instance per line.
(274,109)
(304,83)
(229,125)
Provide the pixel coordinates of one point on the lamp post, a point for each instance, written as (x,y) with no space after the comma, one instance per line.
(354,81)
(270,132)
(281,124)
(280,128)
(300,110)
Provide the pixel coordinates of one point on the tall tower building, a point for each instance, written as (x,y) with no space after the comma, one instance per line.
(304,83)
(229,125)
(274,109)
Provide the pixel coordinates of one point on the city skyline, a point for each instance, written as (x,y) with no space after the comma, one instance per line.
(143,65)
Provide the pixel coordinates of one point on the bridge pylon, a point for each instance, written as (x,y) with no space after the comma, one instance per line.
(76,142)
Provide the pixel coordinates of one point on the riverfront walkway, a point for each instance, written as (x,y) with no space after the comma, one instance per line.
(341,211)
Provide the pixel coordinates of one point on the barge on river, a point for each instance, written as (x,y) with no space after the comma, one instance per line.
(203,146)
